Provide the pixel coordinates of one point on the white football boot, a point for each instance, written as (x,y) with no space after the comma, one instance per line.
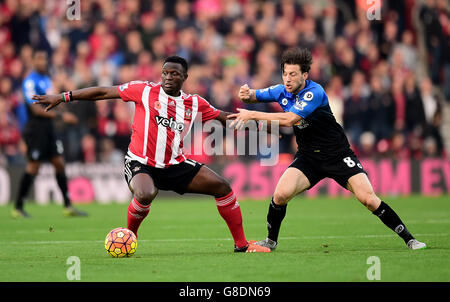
(413,244)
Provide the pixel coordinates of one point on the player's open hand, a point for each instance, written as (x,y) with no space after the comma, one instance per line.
(240,118)
(52,100)
(244,93)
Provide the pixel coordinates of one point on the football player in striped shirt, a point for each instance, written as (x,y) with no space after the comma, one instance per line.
(163,116)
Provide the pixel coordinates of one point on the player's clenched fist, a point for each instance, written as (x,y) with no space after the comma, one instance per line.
(245,93)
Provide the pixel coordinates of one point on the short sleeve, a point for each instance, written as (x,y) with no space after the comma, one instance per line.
(270,94)
(131,91)
(308,102)
(29,90)
(208,111)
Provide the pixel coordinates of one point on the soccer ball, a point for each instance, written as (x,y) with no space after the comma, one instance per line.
(120,242)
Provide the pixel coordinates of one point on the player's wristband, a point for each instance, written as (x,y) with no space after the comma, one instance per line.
(67,97)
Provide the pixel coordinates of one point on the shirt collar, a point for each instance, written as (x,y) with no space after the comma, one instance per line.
(176,98)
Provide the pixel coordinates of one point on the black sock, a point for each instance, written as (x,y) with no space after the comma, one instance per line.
(61,179)
(24,187)
(274,218)
(391,220)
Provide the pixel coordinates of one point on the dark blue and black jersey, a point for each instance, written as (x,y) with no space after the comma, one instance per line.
(39,133)
(35,84)
(317,133)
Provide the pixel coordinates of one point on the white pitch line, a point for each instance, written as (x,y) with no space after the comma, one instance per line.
(220,239)
(45,231)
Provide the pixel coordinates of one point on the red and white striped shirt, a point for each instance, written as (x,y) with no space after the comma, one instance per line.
(161,122)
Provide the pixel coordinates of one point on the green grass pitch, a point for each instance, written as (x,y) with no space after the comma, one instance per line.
(185,240)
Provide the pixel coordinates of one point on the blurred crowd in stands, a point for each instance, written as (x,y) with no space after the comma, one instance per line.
(387,94)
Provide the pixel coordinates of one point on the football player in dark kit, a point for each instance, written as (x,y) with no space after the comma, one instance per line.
(323,148)
(39,136)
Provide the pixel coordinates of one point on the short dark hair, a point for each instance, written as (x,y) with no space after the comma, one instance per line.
(40,50)
(297,56)
(179,60)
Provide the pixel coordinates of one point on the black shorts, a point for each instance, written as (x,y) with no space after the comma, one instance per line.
(174,178)
(42,146)
(340,167)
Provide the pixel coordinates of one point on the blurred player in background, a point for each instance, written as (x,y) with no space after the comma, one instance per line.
(163,116)
(40,139)
(323,148)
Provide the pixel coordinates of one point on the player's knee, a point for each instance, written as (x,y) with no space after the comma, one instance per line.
(281,197)
(370,201)
(60,169)
(222,188)
(58,164)
(33,168)
(145,196)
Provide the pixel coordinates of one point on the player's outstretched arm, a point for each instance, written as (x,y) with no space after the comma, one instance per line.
(85,94)
(284,118)
(225,117)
